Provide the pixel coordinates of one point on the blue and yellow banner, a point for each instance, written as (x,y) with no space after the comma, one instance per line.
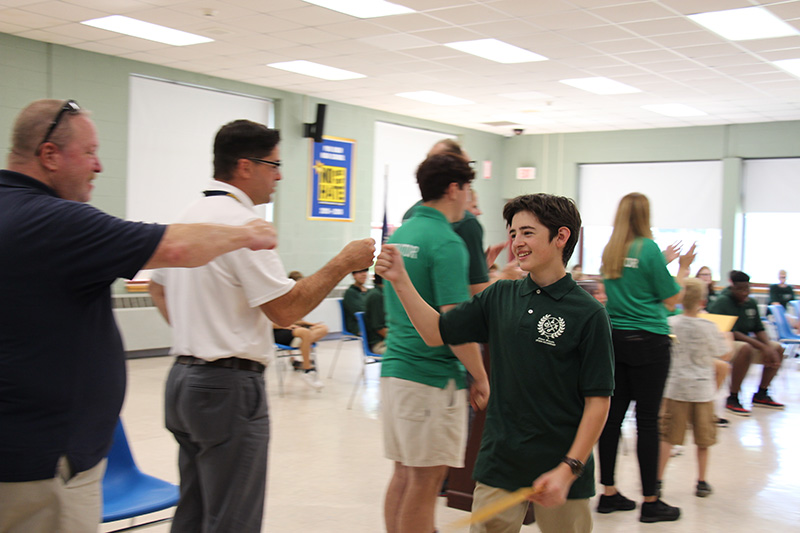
(332,184)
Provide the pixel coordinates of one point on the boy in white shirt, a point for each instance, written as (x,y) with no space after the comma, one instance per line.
(689,392)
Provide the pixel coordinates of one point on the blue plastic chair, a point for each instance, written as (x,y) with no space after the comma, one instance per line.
(128,492)
(368,358)
(785,334)
(346,336)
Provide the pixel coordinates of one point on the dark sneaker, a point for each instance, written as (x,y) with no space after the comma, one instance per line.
(617,502)
(298,365)
(764,400)
(722,422)
(736,408)
(659,511)
(703,489)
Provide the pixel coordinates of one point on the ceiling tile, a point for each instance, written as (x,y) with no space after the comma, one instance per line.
(28,19)
(597,34)
(569,21)
(527,8)
(649,28)
(396,41)
(311,15)
(261,23)
(633,12)
(690,38)
(410,22)
(470,14)
(448,35)
(306,36)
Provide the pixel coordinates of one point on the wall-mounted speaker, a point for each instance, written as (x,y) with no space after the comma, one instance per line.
(315,129)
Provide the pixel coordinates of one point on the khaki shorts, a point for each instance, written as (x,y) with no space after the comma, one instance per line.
(757,358)
(69,502)
(677,415)
(572,517)
(424,425)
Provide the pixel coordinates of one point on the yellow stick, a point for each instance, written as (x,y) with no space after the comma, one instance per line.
(488,511)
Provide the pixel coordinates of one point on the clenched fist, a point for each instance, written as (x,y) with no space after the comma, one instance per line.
(263,235)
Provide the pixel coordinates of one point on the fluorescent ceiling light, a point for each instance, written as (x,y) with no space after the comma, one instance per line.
(601,85)
(146,30)
(496,51)
(792,66)
(363,9)
(433,97)
(744,24)
(674,110)
(309,68)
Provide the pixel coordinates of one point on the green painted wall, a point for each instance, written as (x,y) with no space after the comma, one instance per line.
(557,158)
(31,69)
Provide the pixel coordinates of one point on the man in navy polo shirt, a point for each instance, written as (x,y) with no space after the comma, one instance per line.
(62,364)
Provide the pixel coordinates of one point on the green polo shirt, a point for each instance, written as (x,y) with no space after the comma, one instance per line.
(636,299)
(749,320)
(550,348)
(436,261)
(471,231)
(374,315)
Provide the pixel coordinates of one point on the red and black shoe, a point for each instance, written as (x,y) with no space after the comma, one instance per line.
(764,400)
(735,407)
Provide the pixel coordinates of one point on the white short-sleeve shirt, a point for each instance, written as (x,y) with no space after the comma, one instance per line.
(214,309)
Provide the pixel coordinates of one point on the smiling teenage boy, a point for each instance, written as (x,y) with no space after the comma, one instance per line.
(552,369)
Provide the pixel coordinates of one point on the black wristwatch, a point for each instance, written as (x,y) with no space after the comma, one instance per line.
(574,465)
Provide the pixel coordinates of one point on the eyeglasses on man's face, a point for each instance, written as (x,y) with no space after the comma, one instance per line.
(71,107)
(274,164)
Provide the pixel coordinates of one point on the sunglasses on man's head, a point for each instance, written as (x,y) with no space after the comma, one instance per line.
(71,107)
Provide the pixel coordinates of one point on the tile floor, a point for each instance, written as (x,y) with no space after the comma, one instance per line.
(327,473)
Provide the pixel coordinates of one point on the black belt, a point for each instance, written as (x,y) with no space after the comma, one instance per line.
(228,362)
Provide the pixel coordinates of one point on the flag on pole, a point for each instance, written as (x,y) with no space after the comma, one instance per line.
(385,229)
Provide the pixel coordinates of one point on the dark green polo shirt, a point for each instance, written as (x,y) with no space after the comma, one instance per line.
(436,261)
(353,303)
(374,315)
(550,348)
(749,320)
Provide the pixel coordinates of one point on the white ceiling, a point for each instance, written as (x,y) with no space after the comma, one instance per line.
(649,44)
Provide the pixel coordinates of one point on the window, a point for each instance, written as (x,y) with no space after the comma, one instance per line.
(171,129)
(398,152)
(685,205)
(771,192)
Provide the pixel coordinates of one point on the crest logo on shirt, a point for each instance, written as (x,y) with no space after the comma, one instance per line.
(550,327)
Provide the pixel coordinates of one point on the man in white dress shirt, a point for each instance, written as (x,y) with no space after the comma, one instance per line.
(221,316)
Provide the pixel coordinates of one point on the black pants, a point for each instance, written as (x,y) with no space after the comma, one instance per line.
(640,372)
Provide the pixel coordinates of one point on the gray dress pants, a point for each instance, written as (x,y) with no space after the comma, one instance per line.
(219,417)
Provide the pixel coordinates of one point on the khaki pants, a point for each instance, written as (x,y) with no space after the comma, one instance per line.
(63,504)
(572,517)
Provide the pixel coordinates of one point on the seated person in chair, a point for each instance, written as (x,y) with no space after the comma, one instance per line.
(751,344)
(354,300)
(302,335)
(375,318)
